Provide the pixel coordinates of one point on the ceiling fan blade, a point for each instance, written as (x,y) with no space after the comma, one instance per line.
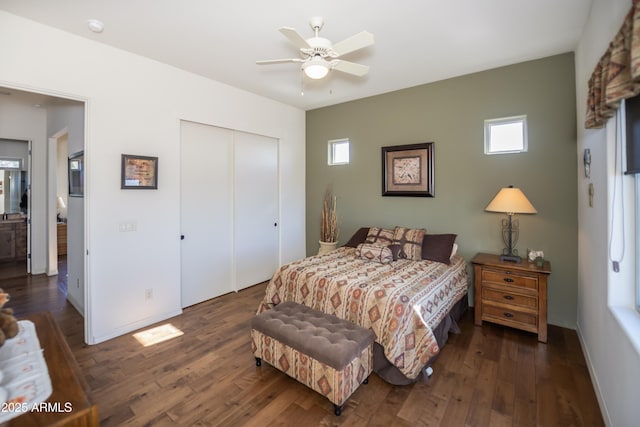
(278,61)
(353,43)
(350,67)
(294,37)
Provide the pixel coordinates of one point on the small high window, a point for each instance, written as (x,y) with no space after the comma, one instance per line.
(339,152)
(506,135)
(9,163)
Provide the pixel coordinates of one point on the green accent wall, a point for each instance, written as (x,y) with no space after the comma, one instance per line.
(451,114)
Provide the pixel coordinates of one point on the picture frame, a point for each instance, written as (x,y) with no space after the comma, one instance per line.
(139,172)
(407,170)
(76,174)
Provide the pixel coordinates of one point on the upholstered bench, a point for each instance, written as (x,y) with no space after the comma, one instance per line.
(327,354)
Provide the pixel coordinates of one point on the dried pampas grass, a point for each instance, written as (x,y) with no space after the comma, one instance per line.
(329,229)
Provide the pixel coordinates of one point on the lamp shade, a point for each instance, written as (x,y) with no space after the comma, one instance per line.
(316,69)
(60,203)
(511,201)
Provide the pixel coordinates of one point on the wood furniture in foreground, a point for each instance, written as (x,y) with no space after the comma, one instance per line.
(511,294)
(62,238)
(69,387)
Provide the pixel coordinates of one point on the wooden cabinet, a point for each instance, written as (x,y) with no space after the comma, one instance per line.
(13,241)
(7,242)
(62,238)
(70,391)
(511,294)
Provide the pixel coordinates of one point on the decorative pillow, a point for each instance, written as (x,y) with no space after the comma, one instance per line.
(438,247)
(410,241)
(381,236)
(374,252)
(395,251)
(358,237)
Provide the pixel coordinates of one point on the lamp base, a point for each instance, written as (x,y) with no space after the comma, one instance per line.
(510,258)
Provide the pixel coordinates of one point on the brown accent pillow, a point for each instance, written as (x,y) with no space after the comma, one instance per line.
(438,247)
(410,241)
(382,236)
(395,251)
(358,237)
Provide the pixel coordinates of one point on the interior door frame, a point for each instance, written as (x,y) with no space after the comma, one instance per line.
(29,206)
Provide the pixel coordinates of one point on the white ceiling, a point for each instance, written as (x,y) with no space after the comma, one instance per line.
(416,41)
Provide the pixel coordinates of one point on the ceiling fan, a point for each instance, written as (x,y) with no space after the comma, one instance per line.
(319,55)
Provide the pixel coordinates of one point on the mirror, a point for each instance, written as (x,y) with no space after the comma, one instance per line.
(13,184)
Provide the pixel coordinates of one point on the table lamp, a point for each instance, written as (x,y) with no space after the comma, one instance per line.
(510,201)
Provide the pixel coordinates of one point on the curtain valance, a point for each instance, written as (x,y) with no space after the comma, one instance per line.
(617,74)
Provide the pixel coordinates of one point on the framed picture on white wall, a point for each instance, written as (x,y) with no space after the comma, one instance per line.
(76,175)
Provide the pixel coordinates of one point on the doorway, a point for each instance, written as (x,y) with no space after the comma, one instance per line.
(15,165)
(42,118)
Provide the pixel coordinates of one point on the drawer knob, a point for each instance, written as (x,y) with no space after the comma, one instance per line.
(509,297)
(508,279)
(508,315)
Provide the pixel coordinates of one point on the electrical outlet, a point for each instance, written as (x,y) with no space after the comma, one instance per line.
(148,294)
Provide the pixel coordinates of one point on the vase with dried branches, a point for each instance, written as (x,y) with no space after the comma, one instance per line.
(329,229)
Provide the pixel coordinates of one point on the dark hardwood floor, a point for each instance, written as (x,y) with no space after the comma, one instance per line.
(484,376)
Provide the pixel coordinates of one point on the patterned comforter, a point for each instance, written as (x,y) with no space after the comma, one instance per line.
(401,301)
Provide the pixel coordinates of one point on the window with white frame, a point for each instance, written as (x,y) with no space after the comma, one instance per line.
(626,162)
(637,239)
(505,135)
(339,151)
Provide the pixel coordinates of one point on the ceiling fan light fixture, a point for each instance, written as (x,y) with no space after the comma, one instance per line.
(317,68)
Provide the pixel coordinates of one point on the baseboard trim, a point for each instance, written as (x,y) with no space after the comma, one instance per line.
(594,378)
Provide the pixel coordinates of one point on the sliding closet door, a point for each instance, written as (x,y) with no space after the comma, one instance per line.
(206,212)
(256,208)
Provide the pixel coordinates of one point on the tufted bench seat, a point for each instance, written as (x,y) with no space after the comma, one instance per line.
(330,355)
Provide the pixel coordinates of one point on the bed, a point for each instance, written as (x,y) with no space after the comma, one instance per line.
(410,302)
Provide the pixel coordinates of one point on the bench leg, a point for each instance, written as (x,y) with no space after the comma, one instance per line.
(258,361)
(337,409)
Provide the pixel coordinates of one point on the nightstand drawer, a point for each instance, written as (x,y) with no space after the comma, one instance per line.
(508,315)
(500,295)
(506,277)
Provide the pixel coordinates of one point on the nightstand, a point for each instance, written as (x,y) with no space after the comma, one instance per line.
(511,294)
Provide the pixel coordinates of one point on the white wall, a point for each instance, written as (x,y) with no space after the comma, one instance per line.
(613,359)
(26,122)
(134,106)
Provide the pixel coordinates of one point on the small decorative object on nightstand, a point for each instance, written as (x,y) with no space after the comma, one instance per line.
(511,294)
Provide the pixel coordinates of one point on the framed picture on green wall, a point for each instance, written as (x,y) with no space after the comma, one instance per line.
(407,170)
